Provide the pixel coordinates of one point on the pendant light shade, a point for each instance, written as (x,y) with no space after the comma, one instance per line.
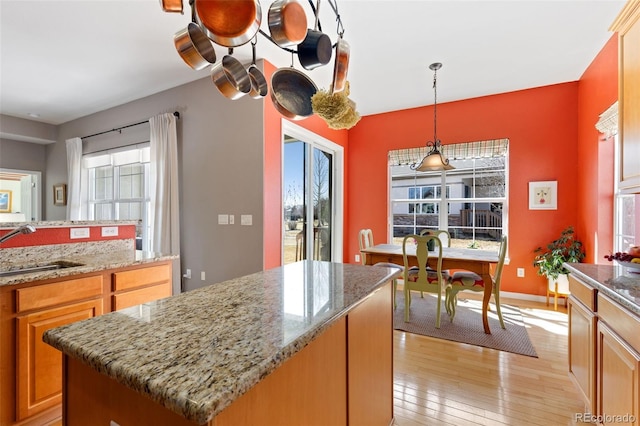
(434,161)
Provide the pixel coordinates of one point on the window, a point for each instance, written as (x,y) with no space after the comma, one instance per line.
(473,207)
(118,188)
(625,209)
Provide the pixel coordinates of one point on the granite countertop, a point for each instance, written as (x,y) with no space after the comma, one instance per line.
(196,352)
(617,282)
(90,262)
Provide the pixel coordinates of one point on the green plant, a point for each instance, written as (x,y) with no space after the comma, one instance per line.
(565,249)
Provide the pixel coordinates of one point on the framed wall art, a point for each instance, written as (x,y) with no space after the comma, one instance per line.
(60,194)
(5,201)
(543,195)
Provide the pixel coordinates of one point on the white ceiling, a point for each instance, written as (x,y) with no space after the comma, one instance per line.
(67,59)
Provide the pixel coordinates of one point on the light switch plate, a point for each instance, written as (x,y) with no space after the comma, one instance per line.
(232,219)
(223,219)
(76,233)
(246,219)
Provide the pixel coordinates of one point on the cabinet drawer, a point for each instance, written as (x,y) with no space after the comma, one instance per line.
(46,295)
(141,295)
(141,277)
(583,293)
(625,323)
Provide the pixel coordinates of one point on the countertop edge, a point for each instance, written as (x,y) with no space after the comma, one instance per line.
(601,287)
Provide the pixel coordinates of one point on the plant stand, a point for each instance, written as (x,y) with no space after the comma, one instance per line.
(558,288)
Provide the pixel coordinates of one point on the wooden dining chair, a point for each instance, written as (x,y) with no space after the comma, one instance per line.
(420,278)
(467,280)
(365,240)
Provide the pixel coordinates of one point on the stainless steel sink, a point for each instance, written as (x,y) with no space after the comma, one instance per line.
(39,268)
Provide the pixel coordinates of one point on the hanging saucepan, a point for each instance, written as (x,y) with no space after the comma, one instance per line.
(315,50)
(229,23)
(194,47)
(341,65)
(231,77)
(172,6)
(287,22)
(291,92)
(259,87)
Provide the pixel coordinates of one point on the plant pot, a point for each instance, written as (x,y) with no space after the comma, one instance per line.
(563,284)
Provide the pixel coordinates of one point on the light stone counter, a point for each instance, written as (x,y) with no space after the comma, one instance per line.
(93,257)
(195,353)
(614,281)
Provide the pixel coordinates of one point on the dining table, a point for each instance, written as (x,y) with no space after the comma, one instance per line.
(478,261)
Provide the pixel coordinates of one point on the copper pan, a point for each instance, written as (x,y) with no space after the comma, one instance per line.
(287,22)
(291,92)
(341,65)
(171,6)
(229,23)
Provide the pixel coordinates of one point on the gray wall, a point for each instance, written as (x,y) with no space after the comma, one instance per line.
(220,145)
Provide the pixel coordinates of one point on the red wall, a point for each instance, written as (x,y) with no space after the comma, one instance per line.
(551,135)
(597,90)
(61,235)
(541,125)
(273,220)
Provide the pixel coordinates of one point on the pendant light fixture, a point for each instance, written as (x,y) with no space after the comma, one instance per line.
(434,161)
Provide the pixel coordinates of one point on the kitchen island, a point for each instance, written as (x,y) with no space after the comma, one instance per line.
(307,343)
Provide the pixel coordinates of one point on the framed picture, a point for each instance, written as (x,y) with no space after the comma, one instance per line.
(60,194)
(5,201)
(543,195)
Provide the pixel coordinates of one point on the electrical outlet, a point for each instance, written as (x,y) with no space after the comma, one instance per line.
(109,231)
(187,274)
(521,272)
(246,219)
(232,220)
(202,276)
(357,258)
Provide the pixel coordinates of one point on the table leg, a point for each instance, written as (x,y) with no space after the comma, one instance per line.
(488,289)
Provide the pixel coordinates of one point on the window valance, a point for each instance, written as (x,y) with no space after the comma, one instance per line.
(455,151)
(608,121)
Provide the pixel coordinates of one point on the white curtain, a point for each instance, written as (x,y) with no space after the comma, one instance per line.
(165,220)
(74,166)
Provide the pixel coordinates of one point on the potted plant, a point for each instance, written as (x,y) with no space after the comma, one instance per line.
(549,260)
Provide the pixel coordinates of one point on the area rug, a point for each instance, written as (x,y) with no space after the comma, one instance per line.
(467,324)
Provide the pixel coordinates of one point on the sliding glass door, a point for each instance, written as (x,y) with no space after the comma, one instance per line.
(309,199)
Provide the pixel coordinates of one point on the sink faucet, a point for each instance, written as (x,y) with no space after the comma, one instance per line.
(24,229)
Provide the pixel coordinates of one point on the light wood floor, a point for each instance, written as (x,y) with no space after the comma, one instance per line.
(438,382)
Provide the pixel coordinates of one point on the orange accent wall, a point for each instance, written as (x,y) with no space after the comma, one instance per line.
(597,90)
(551,136)
(273,220)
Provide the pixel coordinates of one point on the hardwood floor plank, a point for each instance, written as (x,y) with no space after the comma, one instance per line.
(439,382)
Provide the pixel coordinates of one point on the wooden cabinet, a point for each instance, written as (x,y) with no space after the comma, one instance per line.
(582,361)
(31,371)
(618,382)
(137,286)
(627,24)
(39,366)
(370,349)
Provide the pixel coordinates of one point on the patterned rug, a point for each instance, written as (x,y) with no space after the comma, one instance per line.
(467,325)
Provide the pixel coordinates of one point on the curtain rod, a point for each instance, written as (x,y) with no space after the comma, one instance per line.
(175,113)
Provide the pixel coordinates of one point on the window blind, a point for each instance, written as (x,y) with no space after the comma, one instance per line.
(456,151)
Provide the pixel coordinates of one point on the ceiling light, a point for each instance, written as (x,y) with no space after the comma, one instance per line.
(434,161)
(33,115)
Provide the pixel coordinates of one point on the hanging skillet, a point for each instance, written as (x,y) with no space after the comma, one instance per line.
(229,23)
(287,22)
(315,50)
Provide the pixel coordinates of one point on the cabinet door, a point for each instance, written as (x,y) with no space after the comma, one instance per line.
(370,349)
(618,379)
(582,353)
(39,366)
